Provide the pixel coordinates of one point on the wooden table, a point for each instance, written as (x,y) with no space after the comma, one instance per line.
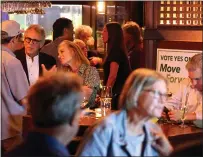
(174,133)
(84,122)
(178,136)
(170,130)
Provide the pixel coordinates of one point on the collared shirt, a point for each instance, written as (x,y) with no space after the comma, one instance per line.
(110,138)
(33,68)
(193,101)
(5,49)
(39,144)
(14,87)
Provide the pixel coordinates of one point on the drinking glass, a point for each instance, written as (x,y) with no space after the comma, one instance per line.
(183,112)
(172,122)
(106,96)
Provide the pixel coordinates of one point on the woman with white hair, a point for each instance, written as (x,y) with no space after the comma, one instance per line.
(84,33)
(130,131)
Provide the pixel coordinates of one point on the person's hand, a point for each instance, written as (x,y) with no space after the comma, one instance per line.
(161,144)
(175,115)
(87,91)
(46,72)
(95,60)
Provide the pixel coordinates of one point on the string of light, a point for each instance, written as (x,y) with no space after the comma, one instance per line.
(25,7)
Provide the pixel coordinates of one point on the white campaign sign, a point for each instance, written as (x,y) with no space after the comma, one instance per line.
(171,63)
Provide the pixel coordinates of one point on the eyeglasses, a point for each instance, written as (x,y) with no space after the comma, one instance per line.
(157,93)
(34,41)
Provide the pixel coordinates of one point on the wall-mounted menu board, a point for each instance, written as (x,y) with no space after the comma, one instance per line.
(171,63)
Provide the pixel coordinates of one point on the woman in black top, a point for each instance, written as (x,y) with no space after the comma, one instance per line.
(116,64)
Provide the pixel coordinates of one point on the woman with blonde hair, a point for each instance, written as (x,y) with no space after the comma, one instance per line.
(72,59)
(130,131)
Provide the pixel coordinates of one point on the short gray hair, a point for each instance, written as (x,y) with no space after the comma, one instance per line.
(54,99)
(39,29)
(134,85)
(195,62)
(83,30)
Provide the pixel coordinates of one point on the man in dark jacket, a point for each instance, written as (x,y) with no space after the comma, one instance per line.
(30,56)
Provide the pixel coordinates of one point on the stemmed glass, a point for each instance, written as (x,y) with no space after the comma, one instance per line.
(183,112)
(83,106)
(84,102)
(106,96)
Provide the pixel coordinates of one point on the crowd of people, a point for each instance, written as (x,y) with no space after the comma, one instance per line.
(50,81)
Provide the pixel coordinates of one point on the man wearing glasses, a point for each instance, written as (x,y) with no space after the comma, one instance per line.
(189,94)
(30,57)
(14,85)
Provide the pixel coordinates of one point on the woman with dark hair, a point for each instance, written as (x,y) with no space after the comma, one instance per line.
(116,65)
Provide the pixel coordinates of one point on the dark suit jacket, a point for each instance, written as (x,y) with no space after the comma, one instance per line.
(45,59)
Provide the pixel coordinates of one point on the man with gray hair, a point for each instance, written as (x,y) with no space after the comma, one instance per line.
(14,85)
(189,94)
(30,57)
(55,115)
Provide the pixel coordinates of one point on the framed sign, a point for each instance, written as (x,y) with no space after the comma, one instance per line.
(171,64)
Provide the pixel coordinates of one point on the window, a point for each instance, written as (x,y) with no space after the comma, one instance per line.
(73,12)
(113,13)
(183,13)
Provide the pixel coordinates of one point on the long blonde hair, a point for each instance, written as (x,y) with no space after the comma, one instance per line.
(79,56)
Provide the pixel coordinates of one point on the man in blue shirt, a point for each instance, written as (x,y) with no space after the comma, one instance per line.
(55,108)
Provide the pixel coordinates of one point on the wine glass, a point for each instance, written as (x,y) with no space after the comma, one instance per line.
(106,96)
(84,102)
(183,111)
